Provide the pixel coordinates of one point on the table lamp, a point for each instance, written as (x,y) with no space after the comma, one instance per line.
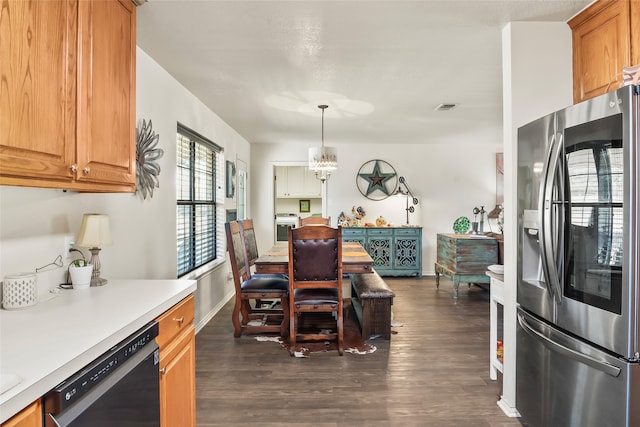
(94,234)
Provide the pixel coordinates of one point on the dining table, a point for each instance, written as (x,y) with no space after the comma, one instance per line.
(355,259)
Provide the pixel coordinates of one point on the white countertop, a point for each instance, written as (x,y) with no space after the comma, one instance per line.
(46,343)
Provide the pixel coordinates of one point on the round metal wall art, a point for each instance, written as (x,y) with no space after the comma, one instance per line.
(147,168)
(376,180)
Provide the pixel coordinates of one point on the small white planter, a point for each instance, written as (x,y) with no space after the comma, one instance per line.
(81,276)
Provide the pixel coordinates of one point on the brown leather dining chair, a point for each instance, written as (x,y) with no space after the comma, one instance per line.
(315,281)
(254,289)
(314,220)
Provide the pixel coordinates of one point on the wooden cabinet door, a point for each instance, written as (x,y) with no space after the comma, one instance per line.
(601,48)
(635,31)
(106,93)
(31,416)
(312,185)
(281,181)
(295,181)
(177,381)
(38,91)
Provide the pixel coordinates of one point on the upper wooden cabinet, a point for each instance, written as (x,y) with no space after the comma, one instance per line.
(67,100)
(635,30)
(602,46)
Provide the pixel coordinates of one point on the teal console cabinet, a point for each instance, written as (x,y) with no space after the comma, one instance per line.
(396,251)
(465,258)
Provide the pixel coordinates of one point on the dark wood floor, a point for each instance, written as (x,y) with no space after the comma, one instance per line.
(433,372)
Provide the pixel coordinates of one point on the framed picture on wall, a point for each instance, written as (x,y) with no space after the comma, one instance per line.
(305,205)
(231,179)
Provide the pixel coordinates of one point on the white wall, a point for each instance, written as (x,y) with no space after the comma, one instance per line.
(537,80)
(449,181)
(33,222)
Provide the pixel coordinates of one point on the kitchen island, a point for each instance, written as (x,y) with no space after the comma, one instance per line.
(44,344)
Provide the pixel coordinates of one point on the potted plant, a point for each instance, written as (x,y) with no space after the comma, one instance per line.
(80,271)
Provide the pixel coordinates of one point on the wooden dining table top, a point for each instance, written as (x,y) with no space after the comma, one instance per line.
(355,259)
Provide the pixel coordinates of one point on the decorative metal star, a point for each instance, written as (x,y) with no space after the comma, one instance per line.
(377,179)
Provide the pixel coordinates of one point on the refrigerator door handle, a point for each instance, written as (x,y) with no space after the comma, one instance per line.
(605,367)
(546,209)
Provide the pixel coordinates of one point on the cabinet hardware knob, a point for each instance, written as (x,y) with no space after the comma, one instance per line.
(179,320)
(86,170)
(74,168)
(163,371)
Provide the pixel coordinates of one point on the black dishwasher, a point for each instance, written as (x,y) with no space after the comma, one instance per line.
(120,388)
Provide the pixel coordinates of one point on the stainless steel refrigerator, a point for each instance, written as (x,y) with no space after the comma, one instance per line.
(578,265)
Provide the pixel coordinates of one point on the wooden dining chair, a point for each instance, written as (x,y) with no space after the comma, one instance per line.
(314,220)
(315,281)
(250,288)
(251,246)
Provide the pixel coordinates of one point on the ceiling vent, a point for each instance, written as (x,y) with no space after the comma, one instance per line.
(445,107)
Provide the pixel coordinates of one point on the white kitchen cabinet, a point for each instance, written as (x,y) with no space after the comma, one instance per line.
(297,182)
(496,298)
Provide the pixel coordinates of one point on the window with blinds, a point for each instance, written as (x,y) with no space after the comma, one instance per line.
(198,163)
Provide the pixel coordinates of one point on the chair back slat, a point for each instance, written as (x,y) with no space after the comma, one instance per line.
(314,220)
(250,242)
(237,255)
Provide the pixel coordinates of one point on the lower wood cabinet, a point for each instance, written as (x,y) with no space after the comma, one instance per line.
(396,251)
(31,416)
(177,365)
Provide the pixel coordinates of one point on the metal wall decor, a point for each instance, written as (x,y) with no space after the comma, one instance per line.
(376,180)
(147,155)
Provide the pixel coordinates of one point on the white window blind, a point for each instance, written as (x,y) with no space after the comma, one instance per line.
(198,163)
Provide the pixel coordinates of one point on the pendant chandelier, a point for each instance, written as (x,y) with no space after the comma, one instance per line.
(323,160)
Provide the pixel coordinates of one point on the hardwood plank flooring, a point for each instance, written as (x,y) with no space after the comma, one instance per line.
(433,372)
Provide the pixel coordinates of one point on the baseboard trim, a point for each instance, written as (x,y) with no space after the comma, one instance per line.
(508,410)
(207,317)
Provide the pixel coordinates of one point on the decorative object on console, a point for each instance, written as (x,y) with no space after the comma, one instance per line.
(376,180)
(355,221)
(323,160)
(147,168)
(95,233)
(408,193)
(477,211)
(461,225)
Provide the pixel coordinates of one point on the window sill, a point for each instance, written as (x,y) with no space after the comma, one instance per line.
(203,270)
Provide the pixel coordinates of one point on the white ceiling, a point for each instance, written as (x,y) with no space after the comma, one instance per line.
(381,66)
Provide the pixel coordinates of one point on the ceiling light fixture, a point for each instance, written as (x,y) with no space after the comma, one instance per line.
(323,160)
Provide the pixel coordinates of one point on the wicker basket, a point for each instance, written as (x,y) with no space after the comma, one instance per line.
(19,290)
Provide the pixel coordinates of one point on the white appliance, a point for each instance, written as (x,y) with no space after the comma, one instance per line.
(283,222)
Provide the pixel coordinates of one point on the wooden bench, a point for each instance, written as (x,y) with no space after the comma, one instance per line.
(372,299)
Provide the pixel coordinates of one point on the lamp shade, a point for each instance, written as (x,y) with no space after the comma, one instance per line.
(323,159)
(94,231)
